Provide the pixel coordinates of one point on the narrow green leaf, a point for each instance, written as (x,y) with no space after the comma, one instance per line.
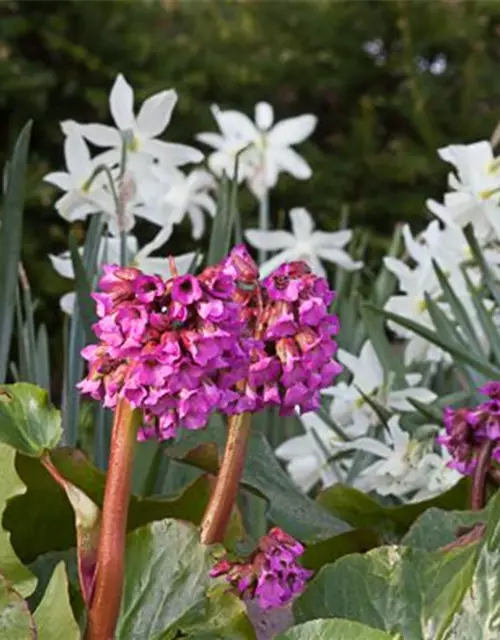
(86,306)
(484,317)
(458,352)
(488,277)
(10,241)
(220,224)
(458,309)
(43,358)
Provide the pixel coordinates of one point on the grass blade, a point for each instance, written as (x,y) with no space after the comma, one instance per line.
(458,352)
(10,241)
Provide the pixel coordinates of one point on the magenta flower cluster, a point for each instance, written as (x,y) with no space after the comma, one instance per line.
(271,576)
(468,429)
(182,348)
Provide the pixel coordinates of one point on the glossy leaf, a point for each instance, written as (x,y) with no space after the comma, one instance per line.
(418,594)
(11,486)
(44,508)
(168,590)
(53,616)
(16,622)
(334,630)
(360,510)
(288,507)
(28,422)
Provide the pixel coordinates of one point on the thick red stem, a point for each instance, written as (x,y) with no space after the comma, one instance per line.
(218,512)
(105,605)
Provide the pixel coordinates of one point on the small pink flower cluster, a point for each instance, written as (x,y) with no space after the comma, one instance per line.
(183,348)
(468,429)
(272,575)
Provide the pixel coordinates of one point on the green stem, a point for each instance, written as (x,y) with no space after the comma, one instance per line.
(105,605)
(218,512)
(263,220)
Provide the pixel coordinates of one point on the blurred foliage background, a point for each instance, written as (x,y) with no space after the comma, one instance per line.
(389,81)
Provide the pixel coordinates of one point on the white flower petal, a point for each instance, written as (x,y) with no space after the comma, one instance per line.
(77,156)
(302,223)
(332,238)
(337,256)
(60,179)
(273,263)
(304,472)
(205,201)
(399,399)
(214,140)
(172,153)
(234,124)
(67,302)
(63,264)
(269,240)
(264,115)
(161,266)
(292,130)
(197,221)
(121,104)
(101,135)
(155,113)
(296,447)
(290,161)
(370,445)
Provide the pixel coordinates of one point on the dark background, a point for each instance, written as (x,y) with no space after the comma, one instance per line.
(390,82)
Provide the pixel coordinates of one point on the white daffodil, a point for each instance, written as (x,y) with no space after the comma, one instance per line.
(172,195)
(269,146)
(438,476)
(140,132)
(399,470)
(306,459)
(475,198)
(109,253)
(80,199)
(303,243)
(349,408)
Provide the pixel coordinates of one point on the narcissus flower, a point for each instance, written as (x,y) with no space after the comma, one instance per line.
(271,576)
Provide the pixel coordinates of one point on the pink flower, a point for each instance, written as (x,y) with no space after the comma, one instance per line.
(271,575)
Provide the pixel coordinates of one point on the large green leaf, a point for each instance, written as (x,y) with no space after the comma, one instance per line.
(334,630)
(16,622)
(168,590)
(53,617)
(289,508)
(28,422)
(436,528)
(10,487)
(421,595)
(44,508)
(360,510)
(10,241)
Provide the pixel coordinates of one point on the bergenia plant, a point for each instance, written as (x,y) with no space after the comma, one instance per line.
(248,445)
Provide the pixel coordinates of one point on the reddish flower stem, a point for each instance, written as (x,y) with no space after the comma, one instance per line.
(218,512)
(478,493)
(105,605)
(471,536)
